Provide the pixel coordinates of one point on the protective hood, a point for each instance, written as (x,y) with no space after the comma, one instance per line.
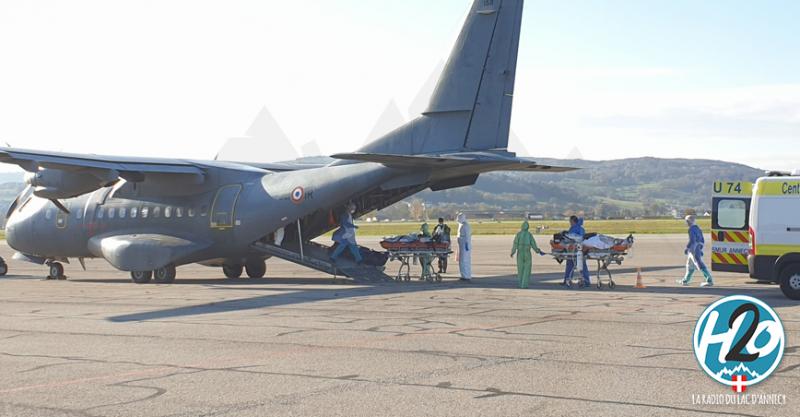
(691,220)
(525,226)
(462,218)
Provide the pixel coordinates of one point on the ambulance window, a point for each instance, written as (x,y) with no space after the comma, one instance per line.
(732,214)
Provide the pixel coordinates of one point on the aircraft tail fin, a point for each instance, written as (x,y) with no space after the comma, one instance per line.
(470,110)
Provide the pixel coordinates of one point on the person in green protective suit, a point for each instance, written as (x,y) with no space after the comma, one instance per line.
(524,243)
(425,232)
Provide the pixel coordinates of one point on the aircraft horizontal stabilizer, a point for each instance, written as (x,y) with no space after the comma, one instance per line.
(481,161)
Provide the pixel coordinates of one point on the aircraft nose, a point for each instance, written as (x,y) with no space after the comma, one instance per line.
(17,231)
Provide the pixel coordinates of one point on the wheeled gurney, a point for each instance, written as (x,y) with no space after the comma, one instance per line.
(413,251)
(606,250)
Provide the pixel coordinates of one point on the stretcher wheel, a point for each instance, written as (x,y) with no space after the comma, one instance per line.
(599,285)
(612,285)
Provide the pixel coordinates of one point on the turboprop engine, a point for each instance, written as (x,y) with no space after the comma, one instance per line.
(55,184)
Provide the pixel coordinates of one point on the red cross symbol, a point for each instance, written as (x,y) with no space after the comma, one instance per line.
(739,386)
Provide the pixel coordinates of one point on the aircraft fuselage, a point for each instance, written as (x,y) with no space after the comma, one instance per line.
(228,214)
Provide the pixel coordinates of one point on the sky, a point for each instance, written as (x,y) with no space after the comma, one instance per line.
(715,79)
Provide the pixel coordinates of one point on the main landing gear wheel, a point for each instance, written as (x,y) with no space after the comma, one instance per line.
(56,271)
(142,277)
(233,271)
(165,275)
(3,268)
(790,281)
(256,269)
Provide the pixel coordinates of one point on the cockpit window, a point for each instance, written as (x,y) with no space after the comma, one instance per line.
(25,197)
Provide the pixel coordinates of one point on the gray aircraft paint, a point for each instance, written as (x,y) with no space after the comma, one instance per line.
(229,209)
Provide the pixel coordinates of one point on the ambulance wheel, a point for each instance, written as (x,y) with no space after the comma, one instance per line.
(256,269)
(165,275)
(56,271)
(232,271)
(141,277)
(790,281)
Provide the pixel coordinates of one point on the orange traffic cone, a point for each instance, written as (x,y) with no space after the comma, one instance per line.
(639,283)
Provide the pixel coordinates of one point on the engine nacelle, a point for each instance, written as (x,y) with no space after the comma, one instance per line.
(57,184)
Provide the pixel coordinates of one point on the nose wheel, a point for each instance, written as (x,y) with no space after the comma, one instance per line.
(56,271)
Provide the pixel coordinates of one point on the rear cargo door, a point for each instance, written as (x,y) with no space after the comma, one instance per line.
(730,219)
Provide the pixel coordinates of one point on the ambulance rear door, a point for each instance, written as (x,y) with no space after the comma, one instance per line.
(730,218)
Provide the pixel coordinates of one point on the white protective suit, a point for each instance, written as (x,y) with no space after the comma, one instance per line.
(464,247)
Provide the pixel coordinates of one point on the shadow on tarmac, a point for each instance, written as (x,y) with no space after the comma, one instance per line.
(293,294)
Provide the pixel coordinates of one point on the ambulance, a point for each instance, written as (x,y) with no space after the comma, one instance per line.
(774,228)
(730,225)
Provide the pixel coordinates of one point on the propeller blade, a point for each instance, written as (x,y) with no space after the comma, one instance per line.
(60,206)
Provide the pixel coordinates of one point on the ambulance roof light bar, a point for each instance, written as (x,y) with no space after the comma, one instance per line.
(782,173)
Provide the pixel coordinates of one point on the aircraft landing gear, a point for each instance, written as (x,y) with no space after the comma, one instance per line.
(165,275)
(3,267)
(56,271)
(256,269)
(141,277)
(233,271)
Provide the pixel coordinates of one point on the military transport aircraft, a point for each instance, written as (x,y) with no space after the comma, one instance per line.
(148,216)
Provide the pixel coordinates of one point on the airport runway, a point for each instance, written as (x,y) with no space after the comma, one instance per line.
(298,345)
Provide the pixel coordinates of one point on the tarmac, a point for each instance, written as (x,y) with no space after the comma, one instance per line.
(298,344)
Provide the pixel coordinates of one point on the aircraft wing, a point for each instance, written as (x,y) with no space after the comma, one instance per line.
(144,252)
(31,161)
(283,166)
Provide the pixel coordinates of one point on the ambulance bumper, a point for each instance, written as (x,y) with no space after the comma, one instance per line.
(762,268)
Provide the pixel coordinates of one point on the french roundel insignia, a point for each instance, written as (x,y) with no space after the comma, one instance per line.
(298,195)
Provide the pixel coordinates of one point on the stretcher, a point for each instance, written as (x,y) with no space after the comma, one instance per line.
(605,250)
(422,252)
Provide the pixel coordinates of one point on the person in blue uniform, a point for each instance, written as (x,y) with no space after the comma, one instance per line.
(576,230)
(694,254)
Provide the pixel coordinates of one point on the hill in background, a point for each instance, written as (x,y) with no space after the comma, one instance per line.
(619,188)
